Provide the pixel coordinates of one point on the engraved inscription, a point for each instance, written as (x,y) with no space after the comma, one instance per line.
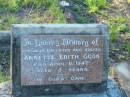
(61,59)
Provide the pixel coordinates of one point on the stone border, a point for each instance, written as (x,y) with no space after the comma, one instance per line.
(5,45)
(5,38)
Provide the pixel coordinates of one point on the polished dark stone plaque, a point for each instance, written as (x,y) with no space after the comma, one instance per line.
(61,59)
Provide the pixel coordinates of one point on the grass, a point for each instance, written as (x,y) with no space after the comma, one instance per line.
(127,46)
(57,13)
(101,4)
(7,21)
(95,5)
(92,5)
(117,25)
(19,11)
(80,15)
(36,3)
(15,5)
(128,1)
(10,5)
(4,77)
(53,14)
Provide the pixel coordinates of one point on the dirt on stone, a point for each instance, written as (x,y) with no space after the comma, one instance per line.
(5,89)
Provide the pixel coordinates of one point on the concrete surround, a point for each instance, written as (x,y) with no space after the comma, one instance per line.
(108,88)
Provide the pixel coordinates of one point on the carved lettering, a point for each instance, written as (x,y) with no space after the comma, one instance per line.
(61,59)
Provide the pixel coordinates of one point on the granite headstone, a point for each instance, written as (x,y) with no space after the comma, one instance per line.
(52,59)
